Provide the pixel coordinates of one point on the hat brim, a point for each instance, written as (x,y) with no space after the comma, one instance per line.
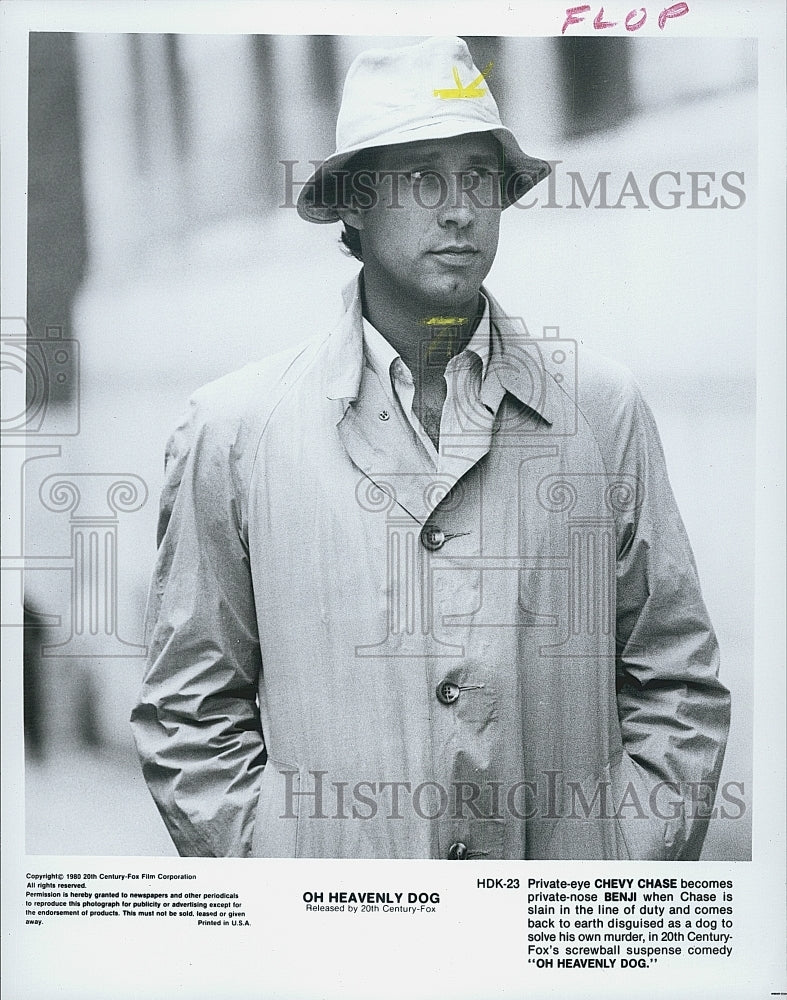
(522,172)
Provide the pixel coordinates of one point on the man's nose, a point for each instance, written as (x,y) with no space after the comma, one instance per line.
(459,208)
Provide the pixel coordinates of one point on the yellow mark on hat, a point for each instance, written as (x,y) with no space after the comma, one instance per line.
(444,320)
(461,91)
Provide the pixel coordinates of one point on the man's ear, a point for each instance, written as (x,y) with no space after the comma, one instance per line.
(351,216)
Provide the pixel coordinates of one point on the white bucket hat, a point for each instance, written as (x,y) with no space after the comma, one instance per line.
(427,91)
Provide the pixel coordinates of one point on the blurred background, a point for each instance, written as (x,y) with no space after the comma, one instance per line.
(162,253)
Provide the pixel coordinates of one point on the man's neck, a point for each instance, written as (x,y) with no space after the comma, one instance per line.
(425,339)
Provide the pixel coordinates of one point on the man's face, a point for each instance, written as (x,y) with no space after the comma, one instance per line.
(431,235)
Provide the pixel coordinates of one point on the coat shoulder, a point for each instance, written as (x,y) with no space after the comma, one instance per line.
(607,393)
(612,404)
(225,418)
(601,380)
(251,393)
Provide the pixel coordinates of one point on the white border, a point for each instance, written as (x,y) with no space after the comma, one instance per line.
(474,948)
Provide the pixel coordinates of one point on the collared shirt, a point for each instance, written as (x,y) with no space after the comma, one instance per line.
(465,404)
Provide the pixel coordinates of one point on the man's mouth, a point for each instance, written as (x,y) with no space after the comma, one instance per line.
(457,252)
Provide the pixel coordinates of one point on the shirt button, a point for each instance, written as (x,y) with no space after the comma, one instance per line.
(447,692)
(457,851)
(432,537)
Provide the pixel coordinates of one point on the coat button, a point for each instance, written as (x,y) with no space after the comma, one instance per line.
(447,692)
(432,537)
(457,851)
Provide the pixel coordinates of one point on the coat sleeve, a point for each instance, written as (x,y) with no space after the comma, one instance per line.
(674,712)
(197,724)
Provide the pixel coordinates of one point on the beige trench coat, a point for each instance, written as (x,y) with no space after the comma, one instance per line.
(348,658)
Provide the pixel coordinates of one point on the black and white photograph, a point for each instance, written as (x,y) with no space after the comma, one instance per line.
(359,643)
(383,418)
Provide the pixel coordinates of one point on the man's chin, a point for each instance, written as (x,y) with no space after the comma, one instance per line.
(449,298)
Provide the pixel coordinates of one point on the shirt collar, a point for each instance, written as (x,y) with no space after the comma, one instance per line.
(515,357)
(382,354)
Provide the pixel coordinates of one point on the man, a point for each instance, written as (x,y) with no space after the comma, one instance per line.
(421,590)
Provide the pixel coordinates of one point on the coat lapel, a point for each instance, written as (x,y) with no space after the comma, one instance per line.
(384,449)
(518,367)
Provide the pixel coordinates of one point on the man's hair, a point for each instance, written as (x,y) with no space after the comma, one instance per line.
(350,241)
(363,162)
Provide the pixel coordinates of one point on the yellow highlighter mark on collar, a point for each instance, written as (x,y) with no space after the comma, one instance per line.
(443,343)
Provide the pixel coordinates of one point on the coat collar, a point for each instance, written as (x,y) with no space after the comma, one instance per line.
(516,360)
(344,362)
(518,364)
